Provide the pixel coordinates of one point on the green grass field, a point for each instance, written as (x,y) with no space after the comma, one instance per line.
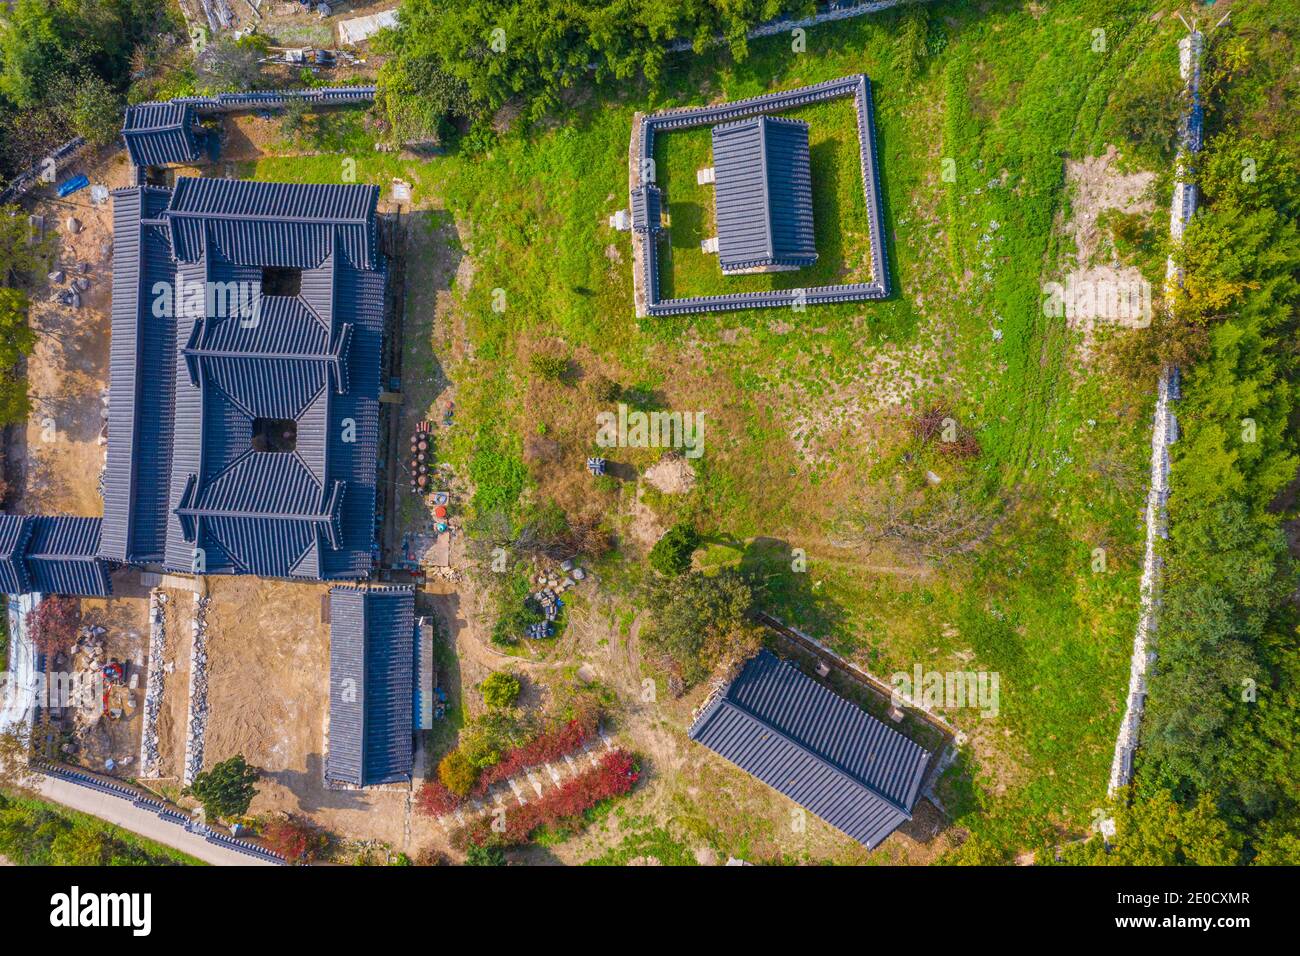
(807,412)
(38,833)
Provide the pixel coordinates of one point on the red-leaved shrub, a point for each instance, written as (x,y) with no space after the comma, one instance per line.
(544,748)
(564,806)
(435,800)
(295,840)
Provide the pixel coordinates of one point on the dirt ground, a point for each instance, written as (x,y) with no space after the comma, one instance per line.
(1099,185)
(125,618)
(268,698)
(173,709)
(68,370)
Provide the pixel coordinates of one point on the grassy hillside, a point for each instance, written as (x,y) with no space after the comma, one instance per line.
(809,415)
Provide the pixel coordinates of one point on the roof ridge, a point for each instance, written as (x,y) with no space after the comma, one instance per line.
(829,762)
(767,187)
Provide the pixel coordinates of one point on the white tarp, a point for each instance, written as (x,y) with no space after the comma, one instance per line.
(352,32)
(18,687)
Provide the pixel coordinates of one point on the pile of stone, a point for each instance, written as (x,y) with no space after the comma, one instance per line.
(557,583)
(153,685)
(198,717)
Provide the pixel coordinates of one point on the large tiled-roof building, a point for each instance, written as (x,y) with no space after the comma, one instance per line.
(245,378)
(52,555)
(823,752)
(372,685)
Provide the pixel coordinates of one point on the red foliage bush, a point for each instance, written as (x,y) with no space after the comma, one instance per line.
(544,748)
(54,624)
(563,807)
(295,840)
(435,800)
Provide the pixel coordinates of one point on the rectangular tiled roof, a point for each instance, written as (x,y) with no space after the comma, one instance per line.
(763,193)
(823,752)
(372,685)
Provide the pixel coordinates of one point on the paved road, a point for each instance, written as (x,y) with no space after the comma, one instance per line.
(117,811)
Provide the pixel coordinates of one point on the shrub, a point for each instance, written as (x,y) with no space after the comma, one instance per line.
(294,839)
(671,554)
(485,856)
(500,690)
(227,789)
(604,389)
(435,800)
(456,773)
(55,623)
(550,368)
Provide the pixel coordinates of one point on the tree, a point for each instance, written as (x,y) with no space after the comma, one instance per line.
(54,624)
(457,774)
(294,839)
(701,622)
(1157,831)
(228,64)
(16,775)
(485,856)
(227,790)
(96,111)
(16,341)
(671,554)
(500,689)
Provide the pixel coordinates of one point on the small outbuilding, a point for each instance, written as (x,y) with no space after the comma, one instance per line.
(763,181)
(373,665)
(161,134)
(820,750)
(52,555)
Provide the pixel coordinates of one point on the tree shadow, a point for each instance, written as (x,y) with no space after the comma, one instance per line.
(784,588)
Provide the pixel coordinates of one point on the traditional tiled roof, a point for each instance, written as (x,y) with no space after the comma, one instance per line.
(823,752)
(203,356)
(372,685)
(158,134)
(647,209)
(52,555)
(764,193)
(858,88)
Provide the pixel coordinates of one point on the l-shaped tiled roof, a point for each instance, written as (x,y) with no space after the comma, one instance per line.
(52,555)
(200,356)
(820,750)
(158,134)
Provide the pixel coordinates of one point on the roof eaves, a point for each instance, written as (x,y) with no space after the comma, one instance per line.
(727,700)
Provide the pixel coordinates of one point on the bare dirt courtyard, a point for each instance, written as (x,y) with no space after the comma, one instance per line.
(268,696)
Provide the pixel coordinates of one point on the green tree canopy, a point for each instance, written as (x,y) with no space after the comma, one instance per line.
(227,789)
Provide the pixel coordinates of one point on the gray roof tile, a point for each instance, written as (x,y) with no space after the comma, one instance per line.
(372,685)
(820,750)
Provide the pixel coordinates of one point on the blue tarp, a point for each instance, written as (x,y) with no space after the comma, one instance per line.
(72,185)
